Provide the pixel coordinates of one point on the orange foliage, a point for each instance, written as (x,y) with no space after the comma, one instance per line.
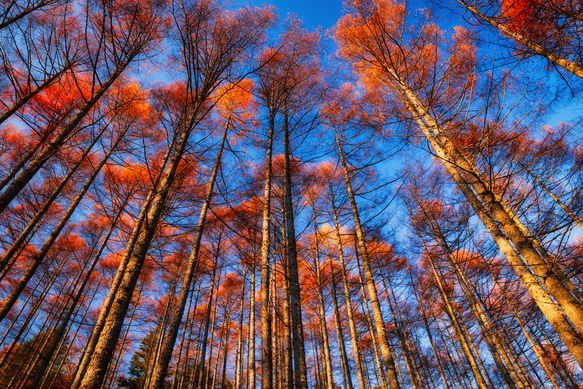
(230,285)
(13,144)
(63,97)
(386,53)
(236,104)
(524,17)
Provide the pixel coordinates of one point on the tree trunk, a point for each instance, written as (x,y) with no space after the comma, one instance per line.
(490,212)
(287,382)
(321,310)
(453,319)
(370,282)
(444,380)
(61,330)
(239,351)
(251,366)
(26,232)
(300,368)
(266,351)
(103,314)
(349,311)
(504,365)
(207,319)
(113,323)
(58,140)
(346,375)
(538,49)
(48,244)
(161,367)
(28,96)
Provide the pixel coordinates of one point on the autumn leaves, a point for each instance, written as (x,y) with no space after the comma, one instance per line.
(251,160)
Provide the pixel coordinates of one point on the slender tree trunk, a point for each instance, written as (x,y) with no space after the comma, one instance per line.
(453,318)
(321,310)
(61,330)
(251,366)
(526,333)
(503,364)
(161,367)
(58,140)
(349,311)
(28,96)
(444,380)
(369,324)
(555,58)
(111,330)
(411,369)
(288,375)
(370,282)
(300,368)
(207,318)
(107,304)
(226,346)
(276,351)
(207,340)
(491,211)
(266,351)
(180,374)
(9,254)
(408,346)
(346,375)
(9,302)
(239,351)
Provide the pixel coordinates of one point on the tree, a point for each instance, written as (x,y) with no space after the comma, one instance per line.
(558,27)
(372,36)
(36,346)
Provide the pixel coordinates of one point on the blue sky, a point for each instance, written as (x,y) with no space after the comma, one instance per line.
(314,13)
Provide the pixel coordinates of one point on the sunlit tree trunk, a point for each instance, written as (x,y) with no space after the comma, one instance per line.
(161,367)
(266,347)
(491,211)
(180,373)
(130,267)
(370,282)
(570,66)
(48,244)
(107,304)
(321,311)
(346,375)
(421,312)
(207,318)
(505,366)
(22,238)
(60,137)
(369,324)
(60,332)
(349,310)
(480,381)
(251,365)
(239,350)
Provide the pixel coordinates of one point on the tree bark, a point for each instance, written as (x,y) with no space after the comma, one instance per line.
(321,310)
(480,381)
(266,351)
(370,282)
(349,311)
(570,66)
(161,367)
(300,368)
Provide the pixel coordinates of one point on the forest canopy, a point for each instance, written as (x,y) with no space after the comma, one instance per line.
(199,194)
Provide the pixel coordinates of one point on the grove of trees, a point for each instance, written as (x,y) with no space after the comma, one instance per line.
(199,194)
